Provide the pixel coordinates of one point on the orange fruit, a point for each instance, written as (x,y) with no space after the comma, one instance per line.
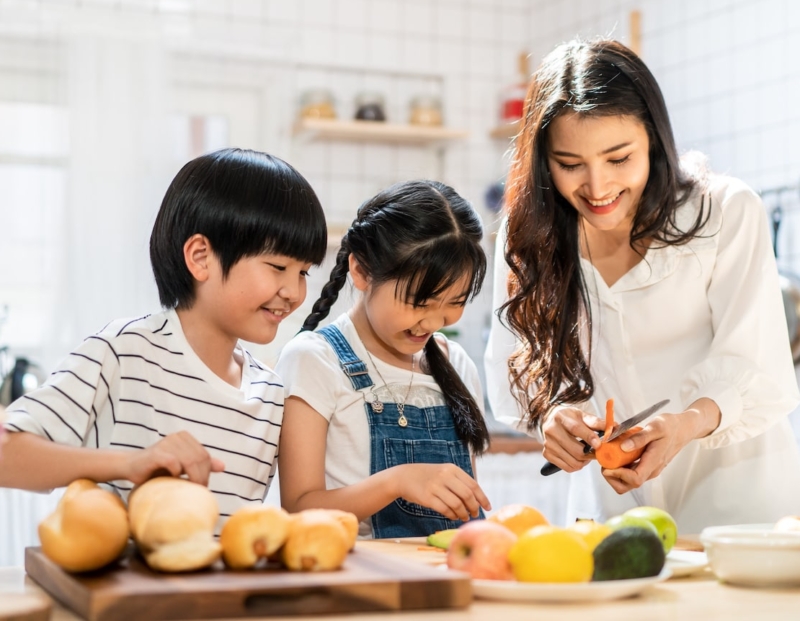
(518,518)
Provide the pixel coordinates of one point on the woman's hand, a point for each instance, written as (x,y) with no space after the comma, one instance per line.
(563,429)
(445,488)
(177,454)
(663,436)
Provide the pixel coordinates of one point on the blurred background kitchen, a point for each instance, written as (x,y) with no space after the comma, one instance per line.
(102,101)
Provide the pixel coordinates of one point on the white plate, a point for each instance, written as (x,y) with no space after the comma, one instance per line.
(510,591)
(685,562)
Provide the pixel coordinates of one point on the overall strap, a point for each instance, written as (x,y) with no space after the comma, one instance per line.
(352,365)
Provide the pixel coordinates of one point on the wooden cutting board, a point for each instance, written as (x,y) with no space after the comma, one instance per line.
(368,581)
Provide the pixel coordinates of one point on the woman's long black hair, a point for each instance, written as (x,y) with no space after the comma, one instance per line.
(426,238)
(548,305)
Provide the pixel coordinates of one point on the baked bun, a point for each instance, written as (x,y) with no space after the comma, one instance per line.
(317,541)
(346,519)
(87,530)
(172,521)
(253,533)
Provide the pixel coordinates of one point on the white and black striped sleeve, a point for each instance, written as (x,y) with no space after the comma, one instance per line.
(64,409)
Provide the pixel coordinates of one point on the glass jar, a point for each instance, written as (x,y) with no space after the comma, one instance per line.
(370,107)
(317,104)
(426,110)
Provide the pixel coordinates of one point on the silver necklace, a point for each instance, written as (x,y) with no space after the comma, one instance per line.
(377,406)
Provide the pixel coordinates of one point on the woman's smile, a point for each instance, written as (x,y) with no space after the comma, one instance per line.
(603,206)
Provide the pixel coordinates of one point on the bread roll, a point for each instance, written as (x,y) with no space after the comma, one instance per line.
(87,530)
(253,533)
(317,541)
(346,519)
(172,521)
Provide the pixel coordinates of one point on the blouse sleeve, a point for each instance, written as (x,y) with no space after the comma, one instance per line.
(749,372)
(502,343)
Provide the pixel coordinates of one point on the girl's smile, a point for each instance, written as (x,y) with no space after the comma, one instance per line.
(393,329)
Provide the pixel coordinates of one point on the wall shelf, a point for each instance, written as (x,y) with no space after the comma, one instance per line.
(371,131)
(506,131)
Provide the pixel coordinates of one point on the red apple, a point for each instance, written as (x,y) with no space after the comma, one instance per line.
(481,548)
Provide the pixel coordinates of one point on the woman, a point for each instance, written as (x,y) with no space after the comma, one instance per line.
(631,275)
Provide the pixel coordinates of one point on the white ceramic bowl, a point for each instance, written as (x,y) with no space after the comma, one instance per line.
(753,555)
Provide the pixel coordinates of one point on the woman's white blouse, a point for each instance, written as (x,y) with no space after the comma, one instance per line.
(704,319)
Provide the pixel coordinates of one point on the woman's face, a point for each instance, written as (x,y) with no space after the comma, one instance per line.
(600,164)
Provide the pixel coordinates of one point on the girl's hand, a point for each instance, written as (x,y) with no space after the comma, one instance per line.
(445,488)
(563,429)
(177,454)
(663,436)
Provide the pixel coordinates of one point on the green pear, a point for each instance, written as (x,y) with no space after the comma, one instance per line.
(442,538)
(663,522)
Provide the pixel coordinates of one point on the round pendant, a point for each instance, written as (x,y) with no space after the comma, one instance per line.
(402,421)
(377,406)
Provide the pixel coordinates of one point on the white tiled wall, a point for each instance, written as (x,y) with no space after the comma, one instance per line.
(465,51)
(729,74)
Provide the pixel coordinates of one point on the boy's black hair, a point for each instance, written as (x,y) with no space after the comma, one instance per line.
(246,203)
(424,236)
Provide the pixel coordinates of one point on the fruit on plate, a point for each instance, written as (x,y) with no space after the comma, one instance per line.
(481,548)
(551,554)
(630,521)
(610,454)
(87,530)
(442,538)
(788,524)
(518,518)
(628,553)
(592,532)
(663,521)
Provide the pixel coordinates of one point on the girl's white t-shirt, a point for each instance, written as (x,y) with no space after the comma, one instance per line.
(310,370)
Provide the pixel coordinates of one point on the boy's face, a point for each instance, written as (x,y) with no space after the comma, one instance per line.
(257,295)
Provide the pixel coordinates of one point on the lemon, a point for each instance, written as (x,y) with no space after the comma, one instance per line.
(591,531)
(551,554)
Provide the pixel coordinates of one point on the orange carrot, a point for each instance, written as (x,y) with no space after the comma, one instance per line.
(609,417)
(609,454)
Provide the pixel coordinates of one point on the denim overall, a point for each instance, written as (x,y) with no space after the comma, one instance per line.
(429,438)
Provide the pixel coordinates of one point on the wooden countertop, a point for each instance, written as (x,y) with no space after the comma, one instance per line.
(696,597)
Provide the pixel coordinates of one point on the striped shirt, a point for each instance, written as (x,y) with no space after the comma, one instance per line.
(138,380)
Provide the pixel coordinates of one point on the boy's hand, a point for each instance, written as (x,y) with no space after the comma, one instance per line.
(177,454)
(445,488)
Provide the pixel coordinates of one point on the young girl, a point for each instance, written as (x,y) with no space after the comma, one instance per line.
(635,279)
(378,419)
(176,391)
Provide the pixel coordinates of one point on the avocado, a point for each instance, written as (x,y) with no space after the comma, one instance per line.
(442,538)
(629,552)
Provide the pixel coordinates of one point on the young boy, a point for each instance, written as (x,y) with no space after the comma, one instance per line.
(175,392)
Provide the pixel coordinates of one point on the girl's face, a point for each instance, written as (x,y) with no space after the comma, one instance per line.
(257,295)
(394,329)
(600,164)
